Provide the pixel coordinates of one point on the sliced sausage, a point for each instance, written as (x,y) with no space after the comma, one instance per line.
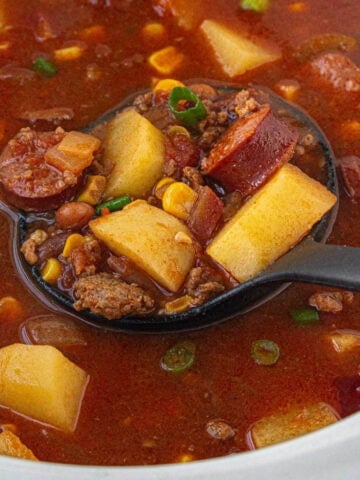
(336,70)
(29,182)
(250,151)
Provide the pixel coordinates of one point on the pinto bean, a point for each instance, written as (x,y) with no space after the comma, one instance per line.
(74,215)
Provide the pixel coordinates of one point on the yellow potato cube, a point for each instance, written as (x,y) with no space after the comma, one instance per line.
(235,53)
(12,446)
(75,240)
(137,150)
(277,217)
(146,235)
(298,421)
(344,340)
(40,382)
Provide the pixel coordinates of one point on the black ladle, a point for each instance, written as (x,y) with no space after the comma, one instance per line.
(310,261)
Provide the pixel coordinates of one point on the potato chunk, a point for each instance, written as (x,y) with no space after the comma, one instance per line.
(235,53)
(344,340)
(137,150)
(11,445)
(298,421)
(277,217)
(39,382)
(148,236)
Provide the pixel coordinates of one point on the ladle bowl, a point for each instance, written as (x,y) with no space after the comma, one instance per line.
(310,261)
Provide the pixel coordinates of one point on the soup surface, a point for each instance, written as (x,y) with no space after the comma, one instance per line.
(67,62)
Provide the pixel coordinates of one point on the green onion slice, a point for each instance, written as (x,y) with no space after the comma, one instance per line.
(44,67)
(115,204)
(259,6)
(186,106)
(265,352)
(305,316)
(179,357)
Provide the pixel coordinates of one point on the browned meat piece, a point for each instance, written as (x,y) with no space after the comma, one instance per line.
(204,91)
(337,70)
(202,284)
(193,176)
(31,183)
(182,150)
(110,297)
(54,115)
(86,257)
(331,302)
(52,247)
(219,430)
(350,170)
(205,214)
(250,151)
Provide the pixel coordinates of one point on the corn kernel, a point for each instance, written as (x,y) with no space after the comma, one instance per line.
(166,60)
(161,186)
(350,129)
(4,46)
(52,270)
(187,457)
(297,7)
(94,33)
(178,305)
(178,200)
(93,190)
(10,309)
(154,32)
(288,89)
(177,130)
(68,53)
(167,84)
(182,237)
(73,241)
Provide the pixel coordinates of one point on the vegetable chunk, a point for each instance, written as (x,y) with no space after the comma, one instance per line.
(148,236)
(11,445)
(235,53)
(270,223)
(298,421)
(137,150)
(39,382)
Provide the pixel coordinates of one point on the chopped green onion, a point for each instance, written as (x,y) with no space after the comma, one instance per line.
(265,352)
(305,316)
(44,67)
(191,113)
(179,357)
(115,204)
(259,6)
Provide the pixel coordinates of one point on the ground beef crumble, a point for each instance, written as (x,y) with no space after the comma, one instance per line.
(107,295)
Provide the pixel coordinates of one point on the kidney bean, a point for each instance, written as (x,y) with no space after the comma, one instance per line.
(74,215)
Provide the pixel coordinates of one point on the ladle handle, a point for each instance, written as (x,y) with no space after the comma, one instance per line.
(323,264)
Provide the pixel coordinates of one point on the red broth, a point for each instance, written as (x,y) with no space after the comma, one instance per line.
(134,412)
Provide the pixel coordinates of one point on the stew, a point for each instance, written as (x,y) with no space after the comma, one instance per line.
(75,394)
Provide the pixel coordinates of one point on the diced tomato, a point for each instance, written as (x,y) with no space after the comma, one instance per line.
(205,214)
